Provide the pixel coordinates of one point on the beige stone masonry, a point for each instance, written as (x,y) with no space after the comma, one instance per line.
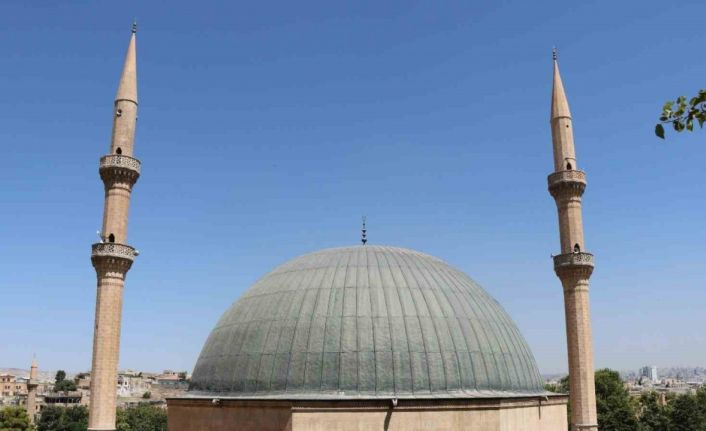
(574,266)
(113,257)
(32,391)
(526,414)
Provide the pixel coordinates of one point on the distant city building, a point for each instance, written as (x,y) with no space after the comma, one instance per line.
(171,379)
(131,388)
(650,372)
(65,399)
(11,386)
(132,384)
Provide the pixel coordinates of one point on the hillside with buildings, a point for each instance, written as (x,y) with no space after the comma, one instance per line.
(132,388)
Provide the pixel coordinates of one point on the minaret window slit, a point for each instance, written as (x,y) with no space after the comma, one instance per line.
(111,238)
(569,167)
(119,151)
(577,248)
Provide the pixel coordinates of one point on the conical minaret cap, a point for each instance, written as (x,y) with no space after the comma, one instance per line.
(560,106)
(127,90)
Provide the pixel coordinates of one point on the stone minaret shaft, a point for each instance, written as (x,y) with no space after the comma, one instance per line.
(112,257)
(32,391)
(573,266)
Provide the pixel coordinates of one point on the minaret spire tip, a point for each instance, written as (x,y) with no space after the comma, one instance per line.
(560,105)
(364,233)
(127,88)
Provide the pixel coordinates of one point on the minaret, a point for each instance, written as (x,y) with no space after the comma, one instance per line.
(573,266)
(32,391)
(112,257)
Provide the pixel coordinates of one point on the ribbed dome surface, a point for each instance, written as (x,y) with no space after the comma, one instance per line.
(366,321)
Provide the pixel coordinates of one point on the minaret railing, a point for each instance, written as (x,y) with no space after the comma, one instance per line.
(569,183)
(573,259)
(113,249)
(567,176)
(120,161)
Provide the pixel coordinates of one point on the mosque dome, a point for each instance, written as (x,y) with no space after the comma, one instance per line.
(366,322)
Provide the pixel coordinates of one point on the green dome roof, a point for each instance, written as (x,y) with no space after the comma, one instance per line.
(365,322)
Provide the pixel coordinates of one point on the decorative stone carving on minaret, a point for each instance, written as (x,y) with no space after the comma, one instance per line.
(113,257)
(574,265)
(32,391)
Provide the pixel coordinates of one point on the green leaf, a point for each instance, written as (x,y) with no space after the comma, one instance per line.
(667,106)
(690,125)
(659,131)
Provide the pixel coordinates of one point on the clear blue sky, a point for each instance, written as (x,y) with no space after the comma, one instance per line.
(267,130)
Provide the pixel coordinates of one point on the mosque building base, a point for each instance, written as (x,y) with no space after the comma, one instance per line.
(479,414)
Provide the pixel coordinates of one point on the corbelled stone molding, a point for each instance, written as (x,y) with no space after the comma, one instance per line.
(567,184)
(112,257)
(578,265)
(568,175)
(117,168)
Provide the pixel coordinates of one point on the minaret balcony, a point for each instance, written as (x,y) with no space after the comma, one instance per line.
(573,262)
(572,181)
(113,256)
(119,168)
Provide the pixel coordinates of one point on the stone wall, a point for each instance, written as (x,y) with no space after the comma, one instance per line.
(512,414)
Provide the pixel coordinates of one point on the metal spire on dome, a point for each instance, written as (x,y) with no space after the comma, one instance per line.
(554,53)
(134,25)
(364,233)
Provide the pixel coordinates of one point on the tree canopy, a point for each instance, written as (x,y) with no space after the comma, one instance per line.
(55,418)
(143,417)
(615,412)
(61,384)
(682,113)
(14,419)
(686,414)
(653,416)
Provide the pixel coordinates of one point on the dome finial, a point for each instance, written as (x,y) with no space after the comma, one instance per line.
(554,53)
(363,233)
(134,25)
